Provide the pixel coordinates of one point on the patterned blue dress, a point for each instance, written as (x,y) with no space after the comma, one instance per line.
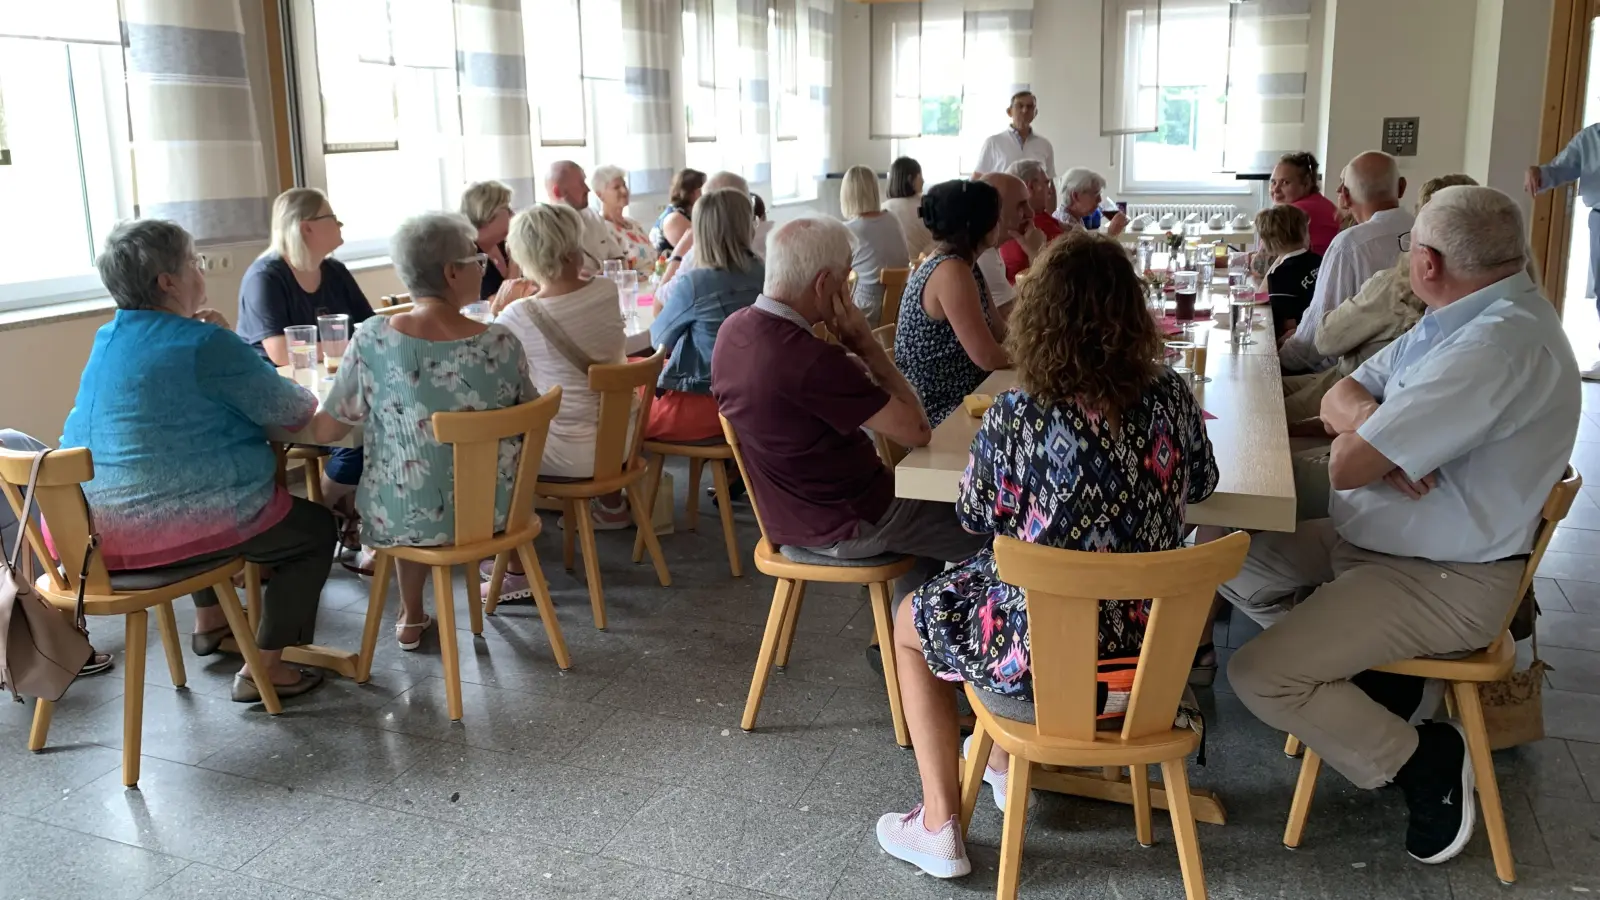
(927,351)
(1057,476)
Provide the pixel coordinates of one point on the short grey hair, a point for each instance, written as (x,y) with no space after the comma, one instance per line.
(1029,170)
(135,256)
(604,175)
(1370,184)
(728,180)
(543,238)
(799,250)
(1478,230)
(1080,180)
(424,244)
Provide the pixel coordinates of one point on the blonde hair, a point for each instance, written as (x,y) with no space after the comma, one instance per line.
(482,199)
(1434,185)
(1283,228)
(292,209)
(543,238)
(858,193)
(724,226)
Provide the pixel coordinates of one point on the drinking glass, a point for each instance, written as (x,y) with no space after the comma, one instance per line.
(611,268)
(1187,285)
(1241,315)
(628,296)
(335,332)
(1186,373)
(302,340)
(478,312)
(1181,353)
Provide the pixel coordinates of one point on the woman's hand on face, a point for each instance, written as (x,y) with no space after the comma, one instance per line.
(512,291)
(211,317)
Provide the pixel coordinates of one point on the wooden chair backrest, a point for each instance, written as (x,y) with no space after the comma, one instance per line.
(475,447)
(894,286)
(618,385)
(885,336)
(744,473)
(394,310)
(1556,506)
(59,498)
(388,300)
(1064,589)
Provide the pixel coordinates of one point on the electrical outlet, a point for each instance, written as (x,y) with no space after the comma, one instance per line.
(218,262)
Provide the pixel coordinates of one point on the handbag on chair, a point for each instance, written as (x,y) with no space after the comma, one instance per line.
(1513,709)
(41,651)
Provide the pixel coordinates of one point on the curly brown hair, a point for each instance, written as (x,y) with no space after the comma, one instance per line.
(1080,332)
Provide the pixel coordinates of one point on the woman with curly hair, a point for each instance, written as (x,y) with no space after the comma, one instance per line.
(1097,433)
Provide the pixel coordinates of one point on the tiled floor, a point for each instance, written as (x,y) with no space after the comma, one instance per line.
(628,776)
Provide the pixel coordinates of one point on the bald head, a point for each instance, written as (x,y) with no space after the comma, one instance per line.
(1372,181)
(565,183)
(1014,206)
(728,181)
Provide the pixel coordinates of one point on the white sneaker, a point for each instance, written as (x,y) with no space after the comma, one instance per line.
(941,853)
(1592,373)
(994,778)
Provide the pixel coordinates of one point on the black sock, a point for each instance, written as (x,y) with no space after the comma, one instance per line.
(1399,694)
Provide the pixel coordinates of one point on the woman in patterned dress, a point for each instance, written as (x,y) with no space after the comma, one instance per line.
(610,184)
(1098,448)
(398,371)
(950,337)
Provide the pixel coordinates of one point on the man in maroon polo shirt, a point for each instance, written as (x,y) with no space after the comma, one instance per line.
(799,405)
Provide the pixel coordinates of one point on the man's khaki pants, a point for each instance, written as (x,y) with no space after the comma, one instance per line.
(1364,609)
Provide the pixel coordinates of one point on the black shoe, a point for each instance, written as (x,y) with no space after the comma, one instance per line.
(1437,781)
(736,491)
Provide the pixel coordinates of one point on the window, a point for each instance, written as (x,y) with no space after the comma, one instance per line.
(932,92)
(796,147)
(1187,94)
(64,154)
(576,88)
(711,85)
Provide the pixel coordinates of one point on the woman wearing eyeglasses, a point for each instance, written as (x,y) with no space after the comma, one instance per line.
(293,283)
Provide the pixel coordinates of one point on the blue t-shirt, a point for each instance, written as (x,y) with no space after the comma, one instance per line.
(270,300)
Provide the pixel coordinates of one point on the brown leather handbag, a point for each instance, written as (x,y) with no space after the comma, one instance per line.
(41,650)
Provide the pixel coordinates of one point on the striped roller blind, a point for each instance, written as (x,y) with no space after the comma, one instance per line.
(497,136)
(1268,50)
(648,28)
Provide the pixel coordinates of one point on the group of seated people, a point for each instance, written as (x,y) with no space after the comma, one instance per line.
(1435,473)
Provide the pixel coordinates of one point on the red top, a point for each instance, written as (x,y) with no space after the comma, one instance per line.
(813,471)
(1324,220)
(1015,257)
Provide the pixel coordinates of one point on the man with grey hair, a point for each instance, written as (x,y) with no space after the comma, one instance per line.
(1448,442)
(1371,188)
(565,182)
(1018,141)
(800,406)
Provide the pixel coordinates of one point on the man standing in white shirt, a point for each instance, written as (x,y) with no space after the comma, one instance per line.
(1371,187)
(567,183)
(1017,142)
(1578,161)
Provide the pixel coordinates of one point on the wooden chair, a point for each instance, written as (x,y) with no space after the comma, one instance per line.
(475,442)
(388,300)
(1464,676)
(885,336)
(59,497)
(877,573)
(311,460)
(1060,728)
(894,286)
(395,308)
(618,465)
(698,455)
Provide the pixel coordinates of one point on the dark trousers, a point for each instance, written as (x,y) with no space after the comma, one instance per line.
(300,551)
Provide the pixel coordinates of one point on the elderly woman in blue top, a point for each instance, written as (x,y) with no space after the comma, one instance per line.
(174,407)
(690,309)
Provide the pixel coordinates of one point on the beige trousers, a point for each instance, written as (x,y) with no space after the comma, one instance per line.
(1360,609)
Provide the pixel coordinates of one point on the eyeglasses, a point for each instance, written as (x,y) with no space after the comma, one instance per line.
(328,216)
(481,260)
(1405,242)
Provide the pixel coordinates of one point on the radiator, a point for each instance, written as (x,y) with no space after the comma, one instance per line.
(1182,210)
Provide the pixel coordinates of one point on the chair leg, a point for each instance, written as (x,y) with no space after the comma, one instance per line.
(474,601)
(691,509)
(569,534)
(1011,833)
(1291,747)
(495,580)
(382,565)
(444,606)
(1494,818)
(547,610)
(882,599)
(719,476)
(43,711)
(786,637)
(252,594)
(641,520)
(136,623)
(1300,808)
(972,775)
(591,569)
(769,650)
(652,495)
(1139,780)
(313,471)
(1175,778)
(167,625)
(245,637)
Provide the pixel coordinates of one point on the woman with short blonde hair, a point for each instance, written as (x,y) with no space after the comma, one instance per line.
(877,240)
(487,205)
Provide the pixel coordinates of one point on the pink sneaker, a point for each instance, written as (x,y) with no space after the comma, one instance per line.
(941,853)
(512,588)
(994,778)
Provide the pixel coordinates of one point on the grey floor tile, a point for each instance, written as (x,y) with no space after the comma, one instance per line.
(196,814)
(334,758)
(82,698)
(841,662)
(1545,767)
(40,860)
(556,804)
(1571,829)
(1570,566)
(854,718)
(739,842)
(1571,715)
(178,725)
(199,882)
(714,696)
(725,760)
(35,780)
(1587,756)
(749,601)
(694,642)
(1572,670)
(1476,880)
(1527,844)
(1574,631)
(1575,540)
(864,783)
(492,718)
(1549,593)
(1582,596)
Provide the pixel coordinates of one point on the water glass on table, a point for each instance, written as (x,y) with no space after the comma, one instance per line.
(1187,285)
(628,296)
(1241,314)
(302,341)
(611,268)
(480,311)
(334,330)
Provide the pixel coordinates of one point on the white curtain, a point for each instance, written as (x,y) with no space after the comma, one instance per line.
(648,27)
(1130,51)
(755,88)
(821,18)
(497,133)
(1268,49)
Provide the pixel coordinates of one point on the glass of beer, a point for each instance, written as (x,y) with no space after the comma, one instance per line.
(1187,285)
(302,340)
(335,332)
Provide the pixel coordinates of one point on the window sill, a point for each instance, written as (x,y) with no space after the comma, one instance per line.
(51,314)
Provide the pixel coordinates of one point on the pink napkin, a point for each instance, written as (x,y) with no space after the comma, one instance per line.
(1205,416)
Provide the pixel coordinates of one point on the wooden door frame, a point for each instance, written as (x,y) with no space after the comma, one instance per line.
(1553,217)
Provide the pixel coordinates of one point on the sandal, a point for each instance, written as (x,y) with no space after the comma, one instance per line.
(363,564)
(245,690)
(348,523)
(423,626)
(1202,673)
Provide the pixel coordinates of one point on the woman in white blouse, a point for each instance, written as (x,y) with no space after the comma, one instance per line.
(610,185)
(905,204)
(876,239)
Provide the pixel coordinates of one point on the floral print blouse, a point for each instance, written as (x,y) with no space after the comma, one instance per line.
(392,384)
(635,241)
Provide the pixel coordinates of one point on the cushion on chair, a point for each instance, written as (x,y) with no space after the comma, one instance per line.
(150,579)
(1006,707)
(701,442)
(813,558)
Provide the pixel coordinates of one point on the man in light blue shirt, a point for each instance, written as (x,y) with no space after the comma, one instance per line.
(1447,444)
(1578,161)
